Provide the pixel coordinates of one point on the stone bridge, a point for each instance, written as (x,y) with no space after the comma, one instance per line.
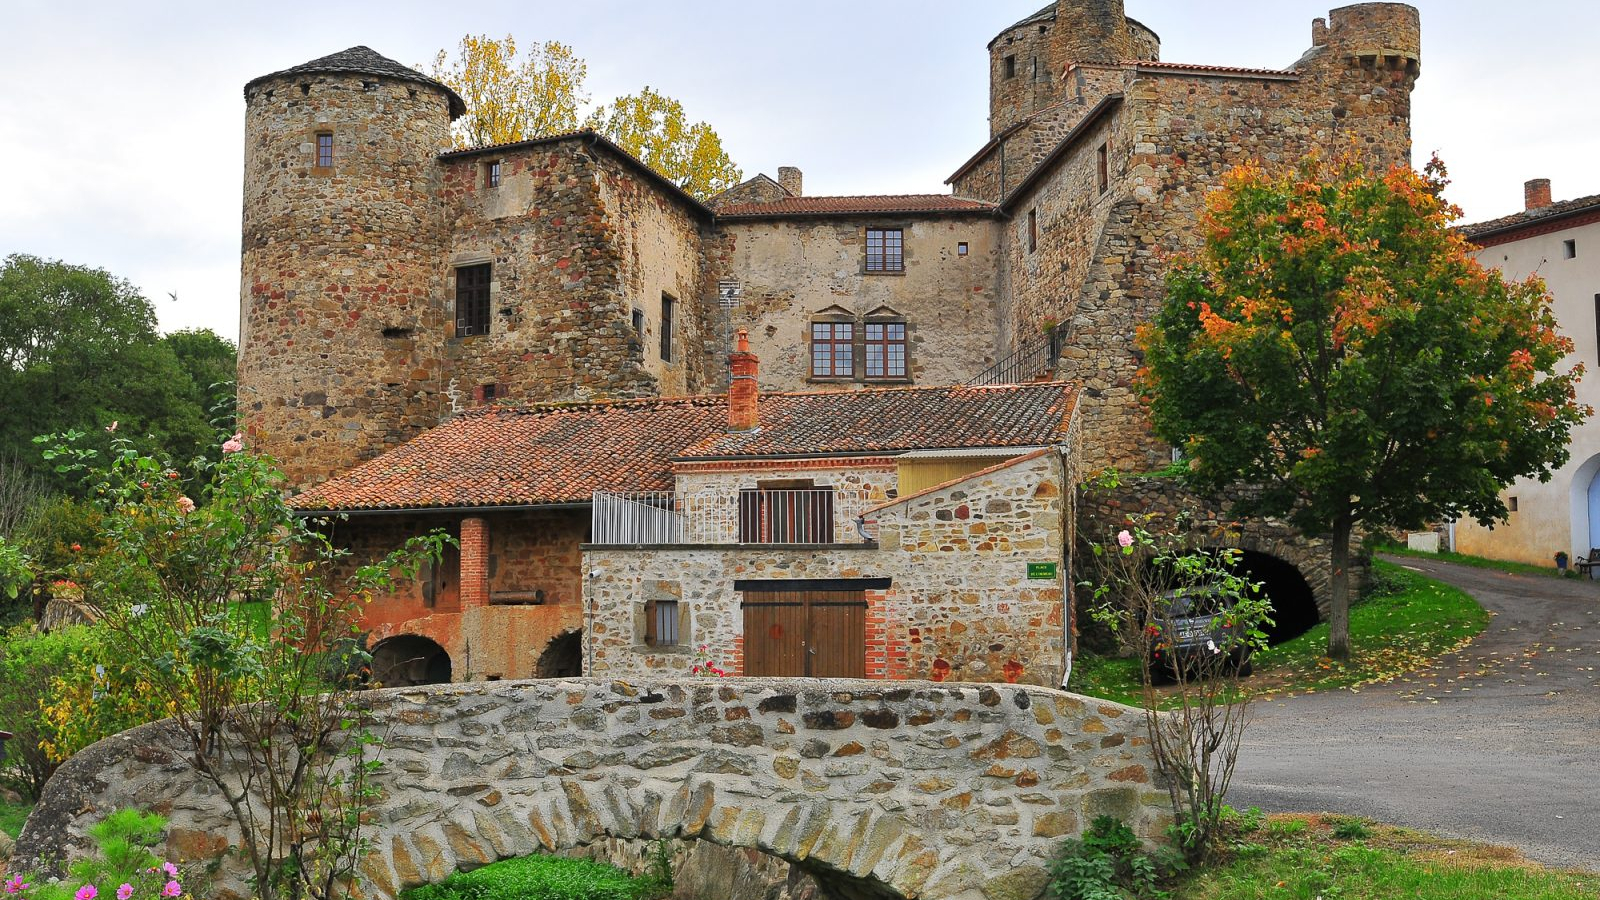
(876,789)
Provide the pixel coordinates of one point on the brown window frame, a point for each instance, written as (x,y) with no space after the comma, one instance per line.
(887,346)
(889,256)
(473,299)
(1033,230)
(491,174)
(835,343)
(669,305)
(1103,167)
(802,514)
(657,613)
(637,320)
(324,145)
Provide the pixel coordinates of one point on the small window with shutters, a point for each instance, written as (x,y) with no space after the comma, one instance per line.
(661,623)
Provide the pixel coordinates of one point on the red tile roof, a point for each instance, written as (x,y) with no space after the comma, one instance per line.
(1546,219)
(1199,69)
(508,456)
(877,204)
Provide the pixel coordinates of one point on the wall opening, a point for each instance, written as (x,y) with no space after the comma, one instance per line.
(409,660)
(1294,606)
(562,657)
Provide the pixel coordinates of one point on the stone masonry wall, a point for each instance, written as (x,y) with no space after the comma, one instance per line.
(340,320)
(957,792)
(793,270)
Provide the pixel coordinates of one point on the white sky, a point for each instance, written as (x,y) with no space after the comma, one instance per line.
(121,124)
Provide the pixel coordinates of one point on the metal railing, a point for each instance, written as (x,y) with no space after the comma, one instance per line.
(790,516)
(1033,357)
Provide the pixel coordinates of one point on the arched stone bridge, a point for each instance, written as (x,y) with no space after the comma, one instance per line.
(877,789)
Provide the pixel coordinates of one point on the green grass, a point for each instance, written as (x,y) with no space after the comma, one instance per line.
(538,878)
(1303,857)
(1391,634)
(12,816)
(1476,562)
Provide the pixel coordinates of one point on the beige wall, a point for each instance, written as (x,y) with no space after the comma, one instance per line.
(1553,515)
(791,270)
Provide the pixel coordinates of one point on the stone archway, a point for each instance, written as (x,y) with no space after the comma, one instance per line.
(879,790)
(562,657)
(410,660)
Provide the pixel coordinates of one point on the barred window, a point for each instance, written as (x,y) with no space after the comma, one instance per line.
(885,250)
(472,300)
(832,350)
(886,349)
(325,150)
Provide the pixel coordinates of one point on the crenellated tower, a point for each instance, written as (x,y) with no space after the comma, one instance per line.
(1365,60)
(340,318)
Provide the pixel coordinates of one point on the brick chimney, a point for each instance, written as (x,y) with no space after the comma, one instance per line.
(743,395)
(790,178)
(1536,193)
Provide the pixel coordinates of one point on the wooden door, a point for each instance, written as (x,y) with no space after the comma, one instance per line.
(816,634)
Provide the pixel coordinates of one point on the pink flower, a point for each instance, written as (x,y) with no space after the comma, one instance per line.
(171,889)
(16,885)
(87,892)
(233,444)
(170,869)
(124,892)
(1125,539)
(185,505)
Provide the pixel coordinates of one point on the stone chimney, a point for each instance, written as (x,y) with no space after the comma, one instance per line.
(743,395)
(1536,194)
(1319,32)
(790,178)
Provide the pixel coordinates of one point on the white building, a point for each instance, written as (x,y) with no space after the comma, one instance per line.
(1559,242)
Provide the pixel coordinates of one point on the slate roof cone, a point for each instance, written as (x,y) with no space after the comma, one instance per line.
(743,395)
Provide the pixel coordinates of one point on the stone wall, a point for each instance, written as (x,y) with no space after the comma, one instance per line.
(339,324)
(960,792)
(793,270)
(960,604)
(858,484)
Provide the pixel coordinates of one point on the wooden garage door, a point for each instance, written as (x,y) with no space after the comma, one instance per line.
(815,634)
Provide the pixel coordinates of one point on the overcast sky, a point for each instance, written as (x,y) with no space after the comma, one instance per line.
(121,124)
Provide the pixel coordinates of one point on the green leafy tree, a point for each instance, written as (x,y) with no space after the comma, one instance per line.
(210,361)
(654,128)
(1334,343)
(511,98)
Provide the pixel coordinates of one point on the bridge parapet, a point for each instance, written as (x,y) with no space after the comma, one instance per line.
(878,789)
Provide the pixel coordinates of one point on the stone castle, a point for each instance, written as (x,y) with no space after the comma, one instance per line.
(389,282)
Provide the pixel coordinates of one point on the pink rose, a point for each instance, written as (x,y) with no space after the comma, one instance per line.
(233,444)
(1125,539)
(185,505)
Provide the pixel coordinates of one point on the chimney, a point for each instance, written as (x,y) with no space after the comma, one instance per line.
(1536,193)
(790,178)
(743,394)
(1319,32)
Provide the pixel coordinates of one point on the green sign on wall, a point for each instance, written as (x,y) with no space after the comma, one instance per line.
(1041,571)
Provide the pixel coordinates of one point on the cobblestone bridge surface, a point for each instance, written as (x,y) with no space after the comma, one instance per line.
(879,790)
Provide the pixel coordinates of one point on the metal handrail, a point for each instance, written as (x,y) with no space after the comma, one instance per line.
(1034,357)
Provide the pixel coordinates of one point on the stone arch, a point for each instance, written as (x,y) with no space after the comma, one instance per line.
(1585,526)
(1308,558)
(410,660)
(562,657)
(870,787)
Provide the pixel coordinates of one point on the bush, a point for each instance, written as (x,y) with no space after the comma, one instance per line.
(538,878)
(30,661)
(1107,863)
(124,866)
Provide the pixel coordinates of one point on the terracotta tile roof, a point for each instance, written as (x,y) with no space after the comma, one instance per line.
(507,456)
(1531,217)
(879,204)
(1197,69)
(364,61)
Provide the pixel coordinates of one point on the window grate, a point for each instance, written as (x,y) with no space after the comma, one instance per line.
(472,300)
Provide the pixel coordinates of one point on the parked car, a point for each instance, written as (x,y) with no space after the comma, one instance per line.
(1193,627)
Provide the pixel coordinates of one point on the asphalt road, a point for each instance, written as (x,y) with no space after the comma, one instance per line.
(1497,743)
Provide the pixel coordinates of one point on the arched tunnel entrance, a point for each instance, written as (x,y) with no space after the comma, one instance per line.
(1294,606)
(562,657)
(409,660)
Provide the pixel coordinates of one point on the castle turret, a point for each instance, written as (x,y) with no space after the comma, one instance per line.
(1366,59)
(1028,59)
(340,320)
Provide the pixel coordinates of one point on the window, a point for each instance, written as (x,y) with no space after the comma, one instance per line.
(1597,319)
(886,349)
(1511,504)
(833,350)
(324,149)
(1036,68)
(885,250)
(1010,67)
(1103,168)
(786,512)
(961,248)
(638,322)
(661,623)
(472,300)
(668,305)
(1570,248)
(488,392)
(492,174)
(1033,230)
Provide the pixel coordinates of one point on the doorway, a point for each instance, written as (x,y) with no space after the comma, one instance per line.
(805,633)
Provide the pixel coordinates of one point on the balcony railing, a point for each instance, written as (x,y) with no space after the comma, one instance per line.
(788,516)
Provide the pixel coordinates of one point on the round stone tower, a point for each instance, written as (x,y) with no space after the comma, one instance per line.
(341,316)
(1366,59)
(1027,60)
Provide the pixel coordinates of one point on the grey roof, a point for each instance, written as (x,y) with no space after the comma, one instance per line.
(365,61)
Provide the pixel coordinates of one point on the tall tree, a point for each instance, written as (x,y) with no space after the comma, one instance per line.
(654,128)
(1334,342)
(512,98)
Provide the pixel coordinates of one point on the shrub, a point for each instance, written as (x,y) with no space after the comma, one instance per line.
(538,878)
(30,661)
(1107,863)
(124,866)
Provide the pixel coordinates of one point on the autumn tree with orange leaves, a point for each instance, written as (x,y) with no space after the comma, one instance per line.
(1334,342)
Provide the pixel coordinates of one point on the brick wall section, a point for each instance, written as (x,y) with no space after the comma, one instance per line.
(474,563)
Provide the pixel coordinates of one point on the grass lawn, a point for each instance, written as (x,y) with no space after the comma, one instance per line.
(12,816)
(1476,562)
(1391,634)
(1299,857)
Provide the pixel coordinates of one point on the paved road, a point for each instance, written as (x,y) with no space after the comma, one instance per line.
(1498,743)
